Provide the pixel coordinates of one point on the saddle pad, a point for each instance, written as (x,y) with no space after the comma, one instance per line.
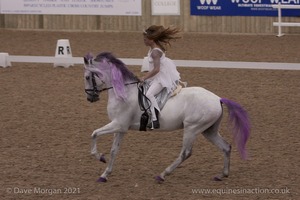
(161,97)
(176,91)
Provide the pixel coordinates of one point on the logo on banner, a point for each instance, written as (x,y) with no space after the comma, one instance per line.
(246,1)
(208,2)
(209,5)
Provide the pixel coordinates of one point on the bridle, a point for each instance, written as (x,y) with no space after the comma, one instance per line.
(94,92)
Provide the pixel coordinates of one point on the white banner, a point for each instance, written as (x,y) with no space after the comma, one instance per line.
(165,7)
(72,7)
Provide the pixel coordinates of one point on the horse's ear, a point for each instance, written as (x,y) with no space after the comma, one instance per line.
(87,58)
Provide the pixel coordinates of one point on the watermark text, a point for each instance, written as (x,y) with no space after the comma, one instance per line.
(236,191)
(43,191)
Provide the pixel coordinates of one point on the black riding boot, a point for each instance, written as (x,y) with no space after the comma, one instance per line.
(156,124)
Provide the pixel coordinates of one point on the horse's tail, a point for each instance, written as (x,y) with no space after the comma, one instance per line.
(240,122)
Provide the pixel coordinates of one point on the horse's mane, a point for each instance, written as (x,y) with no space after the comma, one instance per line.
(126,73)
(120,74)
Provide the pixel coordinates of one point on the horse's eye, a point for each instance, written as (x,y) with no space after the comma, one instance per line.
(87,78)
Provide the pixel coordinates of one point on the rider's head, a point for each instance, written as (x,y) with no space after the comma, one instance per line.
(160,35)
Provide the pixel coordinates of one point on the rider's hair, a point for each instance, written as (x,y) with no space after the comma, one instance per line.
(161,35)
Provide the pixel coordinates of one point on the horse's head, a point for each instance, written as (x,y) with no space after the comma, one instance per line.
(106,72)
(94,79)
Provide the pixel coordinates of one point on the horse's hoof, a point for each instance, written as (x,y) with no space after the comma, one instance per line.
(216,178)
(102,180)
(102,159)
(159,179)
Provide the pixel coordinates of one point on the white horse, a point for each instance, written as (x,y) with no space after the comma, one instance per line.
(195,110)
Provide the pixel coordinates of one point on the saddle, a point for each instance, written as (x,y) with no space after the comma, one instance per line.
(161,98)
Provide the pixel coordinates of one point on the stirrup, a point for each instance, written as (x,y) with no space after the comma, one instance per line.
(154,125)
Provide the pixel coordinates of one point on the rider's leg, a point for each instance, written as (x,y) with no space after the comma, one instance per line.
(154,89)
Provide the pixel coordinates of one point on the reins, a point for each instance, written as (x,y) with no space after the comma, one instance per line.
(104,89)
(95,89)
(141,97)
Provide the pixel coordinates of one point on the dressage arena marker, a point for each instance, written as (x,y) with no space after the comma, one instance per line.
(4,62)
(63,50)
(138,62)
(280,23)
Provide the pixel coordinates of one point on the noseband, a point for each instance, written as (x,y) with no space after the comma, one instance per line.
(94,92)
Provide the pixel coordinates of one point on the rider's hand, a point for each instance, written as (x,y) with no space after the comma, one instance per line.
(142,80)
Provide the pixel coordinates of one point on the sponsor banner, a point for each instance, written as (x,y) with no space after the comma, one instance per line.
(72,7)
(165,7)
(242,7)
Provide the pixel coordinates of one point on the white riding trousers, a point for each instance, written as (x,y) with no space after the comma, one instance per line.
(153,90)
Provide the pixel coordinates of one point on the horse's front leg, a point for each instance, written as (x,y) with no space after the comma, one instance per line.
(113,152)
(112,127)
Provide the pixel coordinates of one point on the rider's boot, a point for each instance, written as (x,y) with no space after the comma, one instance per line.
(154,124)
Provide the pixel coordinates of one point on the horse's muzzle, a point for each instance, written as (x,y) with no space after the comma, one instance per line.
(93,98)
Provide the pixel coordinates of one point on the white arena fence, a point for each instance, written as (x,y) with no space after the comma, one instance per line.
(280,23)
(63,58)
(139,62)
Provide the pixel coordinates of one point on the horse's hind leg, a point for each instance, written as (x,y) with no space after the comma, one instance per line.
(186,151)
(213,136)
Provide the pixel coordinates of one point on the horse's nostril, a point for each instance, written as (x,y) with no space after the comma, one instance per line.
(93,99)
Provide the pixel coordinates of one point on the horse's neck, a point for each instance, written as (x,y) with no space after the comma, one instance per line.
(119,109)
(131,92)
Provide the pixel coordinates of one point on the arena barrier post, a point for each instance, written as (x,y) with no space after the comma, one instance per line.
(280,23)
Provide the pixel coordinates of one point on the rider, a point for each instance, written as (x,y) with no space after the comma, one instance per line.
(162,71)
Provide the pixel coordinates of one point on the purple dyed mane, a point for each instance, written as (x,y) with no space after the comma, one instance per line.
(126,74)
(120,75)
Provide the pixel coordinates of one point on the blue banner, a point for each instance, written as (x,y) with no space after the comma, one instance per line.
(242,7)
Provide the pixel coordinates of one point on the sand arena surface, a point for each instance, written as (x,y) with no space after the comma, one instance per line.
(46,123)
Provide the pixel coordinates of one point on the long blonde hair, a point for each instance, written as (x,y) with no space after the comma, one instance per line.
(161,35)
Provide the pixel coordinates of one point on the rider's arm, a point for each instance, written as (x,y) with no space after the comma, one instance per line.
(156,54)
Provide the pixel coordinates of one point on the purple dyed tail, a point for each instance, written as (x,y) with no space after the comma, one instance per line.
(241,125)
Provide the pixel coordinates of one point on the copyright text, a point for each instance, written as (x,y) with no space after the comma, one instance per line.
(45,191)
